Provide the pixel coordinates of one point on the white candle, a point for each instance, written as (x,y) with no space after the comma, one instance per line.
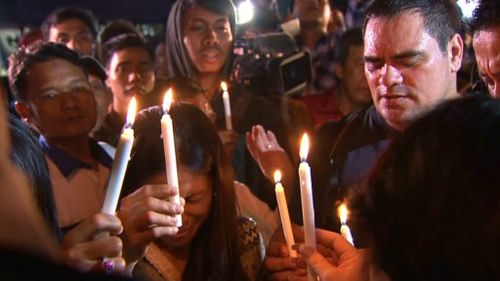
(227,106)
(120,162)
(307,200)
(345,231)
(284,215)
(167,133)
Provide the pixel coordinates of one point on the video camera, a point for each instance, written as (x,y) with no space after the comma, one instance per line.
(271,64)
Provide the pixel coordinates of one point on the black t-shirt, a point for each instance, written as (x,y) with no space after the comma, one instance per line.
(342,155)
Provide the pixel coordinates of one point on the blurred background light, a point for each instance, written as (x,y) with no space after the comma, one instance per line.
(467,7)
(245,11)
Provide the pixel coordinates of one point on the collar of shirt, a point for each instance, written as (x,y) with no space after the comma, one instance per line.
(375,120)
(67,164)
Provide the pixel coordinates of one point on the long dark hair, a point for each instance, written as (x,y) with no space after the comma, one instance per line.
(215,250)
(28,156)
(179,63)
(432,206)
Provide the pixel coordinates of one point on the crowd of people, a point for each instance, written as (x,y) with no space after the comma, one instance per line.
(415,159)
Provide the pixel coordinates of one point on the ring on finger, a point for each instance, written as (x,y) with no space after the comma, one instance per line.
(107,265)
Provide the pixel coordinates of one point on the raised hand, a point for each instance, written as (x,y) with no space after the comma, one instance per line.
(266,151)
(350,264)
(83,251)
(147,215)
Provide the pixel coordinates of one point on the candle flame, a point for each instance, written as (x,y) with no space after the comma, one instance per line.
(342,212)
(132,109)
(223,85)
(167,100)
(277,176)
(304,147)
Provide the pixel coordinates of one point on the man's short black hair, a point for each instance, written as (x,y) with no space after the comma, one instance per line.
(117,27)
(66,13)
(38,52)
(486,15)
(351,37)
(120,42)
(441,18)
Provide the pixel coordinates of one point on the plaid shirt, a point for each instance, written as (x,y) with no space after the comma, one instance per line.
(323,63)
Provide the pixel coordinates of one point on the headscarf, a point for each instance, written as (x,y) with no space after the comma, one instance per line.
(178,60)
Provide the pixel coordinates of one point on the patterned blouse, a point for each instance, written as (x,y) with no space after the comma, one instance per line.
(156,267)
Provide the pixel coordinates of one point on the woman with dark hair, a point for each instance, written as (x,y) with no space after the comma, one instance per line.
(29,158)
(431,210)
(249,205)
(199,45)
(181,62)
(212,244)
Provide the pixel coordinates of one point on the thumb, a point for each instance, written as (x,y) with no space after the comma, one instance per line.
(317,262)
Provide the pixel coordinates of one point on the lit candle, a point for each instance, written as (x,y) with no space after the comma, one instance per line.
(120,162)
(227,106)
(285,217)
(345,231)
(167,133)
(307,200)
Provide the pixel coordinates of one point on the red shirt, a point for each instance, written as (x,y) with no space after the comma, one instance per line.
(323,107)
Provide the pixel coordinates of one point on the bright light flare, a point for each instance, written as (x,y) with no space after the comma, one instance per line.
(343,212)
(167,101)
(245,12)
(132,109)
(277,176)
(304,147)
(223,86)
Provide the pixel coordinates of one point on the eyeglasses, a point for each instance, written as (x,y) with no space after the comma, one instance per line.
(76,90)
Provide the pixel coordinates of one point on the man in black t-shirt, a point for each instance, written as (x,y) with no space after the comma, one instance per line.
(412,54)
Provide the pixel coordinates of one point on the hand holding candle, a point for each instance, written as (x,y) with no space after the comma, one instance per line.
(284,215)
(345,231)
(120,162)
(307,200)
(167,133)
(227,106)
